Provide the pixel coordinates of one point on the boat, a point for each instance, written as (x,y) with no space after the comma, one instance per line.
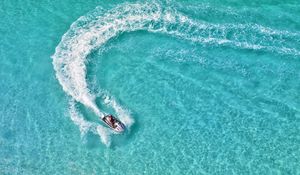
(114,123)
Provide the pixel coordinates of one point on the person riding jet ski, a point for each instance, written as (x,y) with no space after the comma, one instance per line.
(111,120)
(114,123)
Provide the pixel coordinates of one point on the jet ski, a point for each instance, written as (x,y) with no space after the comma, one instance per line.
(114,123)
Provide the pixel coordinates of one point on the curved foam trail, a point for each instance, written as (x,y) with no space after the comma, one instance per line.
(70,55)
(93,30)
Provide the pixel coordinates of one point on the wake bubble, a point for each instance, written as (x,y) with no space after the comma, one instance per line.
(92,31)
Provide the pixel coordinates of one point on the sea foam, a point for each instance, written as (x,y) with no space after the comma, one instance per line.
(93,30)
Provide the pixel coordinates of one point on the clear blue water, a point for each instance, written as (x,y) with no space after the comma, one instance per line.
(208,87)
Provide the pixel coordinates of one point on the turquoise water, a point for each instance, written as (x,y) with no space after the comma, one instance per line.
(206,87)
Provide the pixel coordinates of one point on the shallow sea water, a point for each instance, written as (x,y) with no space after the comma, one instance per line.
(206,87)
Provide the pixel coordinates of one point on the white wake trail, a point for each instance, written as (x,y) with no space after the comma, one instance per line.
(70,55)
(92,31)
